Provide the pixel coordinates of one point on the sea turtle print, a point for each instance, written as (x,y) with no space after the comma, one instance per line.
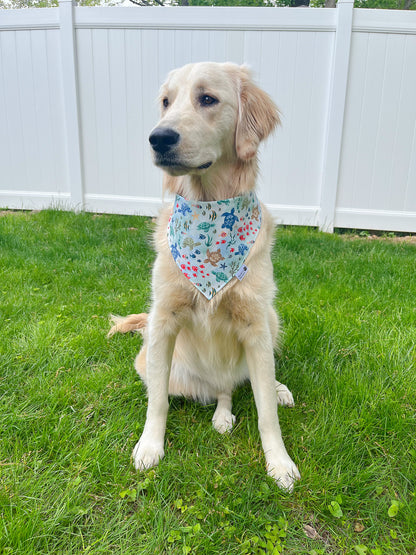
(229,219)
(205,226)
(189,242)
(245,203)
(175,252)
(184,208)
(210,241)
(220,276)
(242,248)
(214,257)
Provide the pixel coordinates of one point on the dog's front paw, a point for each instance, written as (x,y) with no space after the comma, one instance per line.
(147,454)
(223,421)
(284,471)
(284,396)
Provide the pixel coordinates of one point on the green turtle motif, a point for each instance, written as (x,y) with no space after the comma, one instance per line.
(205,226)
(220,276)
(245,203)
(189,242)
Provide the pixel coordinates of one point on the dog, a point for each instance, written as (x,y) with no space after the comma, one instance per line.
(209,331)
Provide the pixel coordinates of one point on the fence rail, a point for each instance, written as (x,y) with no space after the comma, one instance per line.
(77,89)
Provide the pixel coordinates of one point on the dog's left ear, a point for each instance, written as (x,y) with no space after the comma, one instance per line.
(257,118)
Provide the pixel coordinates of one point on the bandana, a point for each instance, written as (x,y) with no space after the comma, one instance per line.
(210,241)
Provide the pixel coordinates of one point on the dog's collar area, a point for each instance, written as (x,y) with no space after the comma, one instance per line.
(210,241)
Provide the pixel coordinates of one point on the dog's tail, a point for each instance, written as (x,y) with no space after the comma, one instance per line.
(133,322)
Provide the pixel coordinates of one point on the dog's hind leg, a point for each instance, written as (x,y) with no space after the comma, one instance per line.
(284,396)
(223,420)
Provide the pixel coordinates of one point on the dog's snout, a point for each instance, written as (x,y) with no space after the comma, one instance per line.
(163,139)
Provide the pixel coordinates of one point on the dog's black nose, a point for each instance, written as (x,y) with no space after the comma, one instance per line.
(163,139)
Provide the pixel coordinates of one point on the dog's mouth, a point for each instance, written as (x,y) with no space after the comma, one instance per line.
(175,166)
(204,166)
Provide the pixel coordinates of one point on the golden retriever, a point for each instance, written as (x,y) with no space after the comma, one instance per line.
(213,118)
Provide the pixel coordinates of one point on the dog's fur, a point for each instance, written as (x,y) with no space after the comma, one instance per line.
(194,347)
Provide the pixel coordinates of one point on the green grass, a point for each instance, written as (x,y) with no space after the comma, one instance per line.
(72,407)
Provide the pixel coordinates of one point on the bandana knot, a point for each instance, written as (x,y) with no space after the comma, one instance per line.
(210,241)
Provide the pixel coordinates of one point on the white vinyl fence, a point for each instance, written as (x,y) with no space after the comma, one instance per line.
(77,90)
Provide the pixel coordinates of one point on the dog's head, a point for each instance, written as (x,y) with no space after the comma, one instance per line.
(210,112)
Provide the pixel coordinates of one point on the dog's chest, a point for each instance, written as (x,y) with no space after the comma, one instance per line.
(213,336)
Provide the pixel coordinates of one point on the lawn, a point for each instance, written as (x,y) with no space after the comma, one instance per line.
(72,407)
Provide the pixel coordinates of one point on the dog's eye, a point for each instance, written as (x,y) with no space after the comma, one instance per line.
(165,102)
(207,100)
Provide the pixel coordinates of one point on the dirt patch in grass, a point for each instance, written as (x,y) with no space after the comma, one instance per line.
(17,212)
(390,237)
(411,239)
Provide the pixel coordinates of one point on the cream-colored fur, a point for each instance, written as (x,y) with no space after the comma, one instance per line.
(194,347)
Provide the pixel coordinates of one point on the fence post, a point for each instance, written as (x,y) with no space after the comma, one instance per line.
(336,109)
(71,107)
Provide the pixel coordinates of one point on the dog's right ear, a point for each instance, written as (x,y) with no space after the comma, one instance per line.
(257,118)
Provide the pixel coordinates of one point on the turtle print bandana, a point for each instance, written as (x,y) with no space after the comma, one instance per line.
(210,241)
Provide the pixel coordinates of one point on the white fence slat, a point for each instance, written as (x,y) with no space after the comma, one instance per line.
(70,95)
(87,107)
(13,171)
(336,111)
(403,154)
(150,110)
(217,46)
(383,191)
(30,141)
(166,53)
(137,142)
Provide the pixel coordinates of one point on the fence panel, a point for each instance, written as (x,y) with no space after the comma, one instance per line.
(377,182)
(32,130)
(120,71)
(77,102)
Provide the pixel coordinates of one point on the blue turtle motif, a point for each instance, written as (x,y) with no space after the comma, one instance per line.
(175,251)
(229,219)
(242,248)
(184,208)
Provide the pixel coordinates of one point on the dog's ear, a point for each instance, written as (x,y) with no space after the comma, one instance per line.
(257,118)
